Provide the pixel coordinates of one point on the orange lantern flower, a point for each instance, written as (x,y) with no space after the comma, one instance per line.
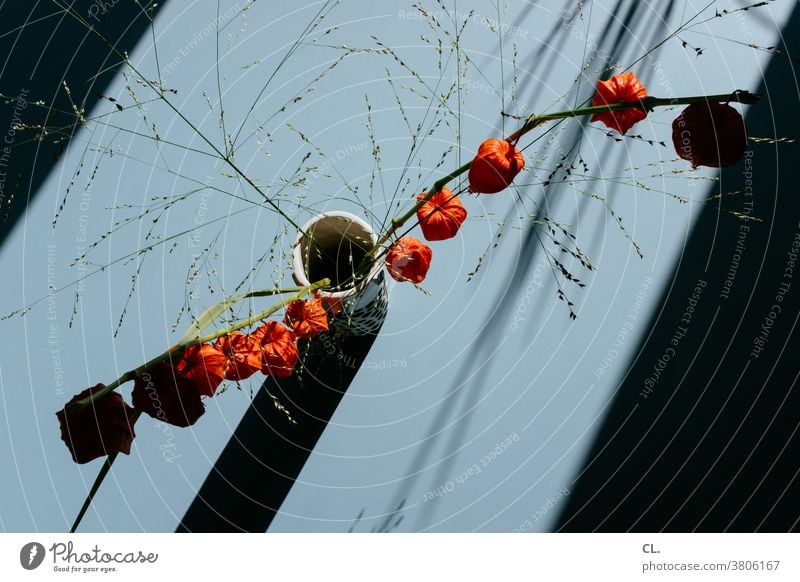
(163,393)
(441,215)
(409,260)
(495,166)
(709,134)
(243,353)
(203,364)
(278,349)
(306,318)
(624,88)
(101,428)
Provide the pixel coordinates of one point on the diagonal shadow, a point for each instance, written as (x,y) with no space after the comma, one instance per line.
(702,435)
(42,49)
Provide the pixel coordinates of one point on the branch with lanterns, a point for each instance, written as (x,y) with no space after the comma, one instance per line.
(173,386)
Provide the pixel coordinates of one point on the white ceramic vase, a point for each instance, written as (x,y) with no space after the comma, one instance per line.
(332,245)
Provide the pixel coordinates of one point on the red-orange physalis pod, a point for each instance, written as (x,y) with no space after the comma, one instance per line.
(709,134)
(278,349)
(100,428)
(242,353)
(165,394)
(441,215)
(306,318)
(409,260)
(204,365)
(623,88)
(494,166)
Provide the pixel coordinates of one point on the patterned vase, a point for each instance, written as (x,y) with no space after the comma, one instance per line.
(332,245)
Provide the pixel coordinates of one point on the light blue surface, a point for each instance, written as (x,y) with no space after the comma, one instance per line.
(411,427)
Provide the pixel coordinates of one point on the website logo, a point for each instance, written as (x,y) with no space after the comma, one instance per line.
(31,555)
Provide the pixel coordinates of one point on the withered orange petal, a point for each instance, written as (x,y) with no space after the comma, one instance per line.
(101,428)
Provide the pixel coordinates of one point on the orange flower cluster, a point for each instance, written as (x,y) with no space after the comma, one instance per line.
(173,391)
(708,134)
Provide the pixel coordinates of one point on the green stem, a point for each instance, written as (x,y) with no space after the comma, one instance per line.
(302,291)
(533,121)
(93,491)
(647,104)
(179,349)
(98,481)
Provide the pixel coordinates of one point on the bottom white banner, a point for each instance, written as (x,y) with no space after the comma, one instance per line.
(356,557)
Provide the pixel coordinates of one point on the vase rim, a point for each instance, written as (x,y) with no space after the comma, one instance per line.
(299,267)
